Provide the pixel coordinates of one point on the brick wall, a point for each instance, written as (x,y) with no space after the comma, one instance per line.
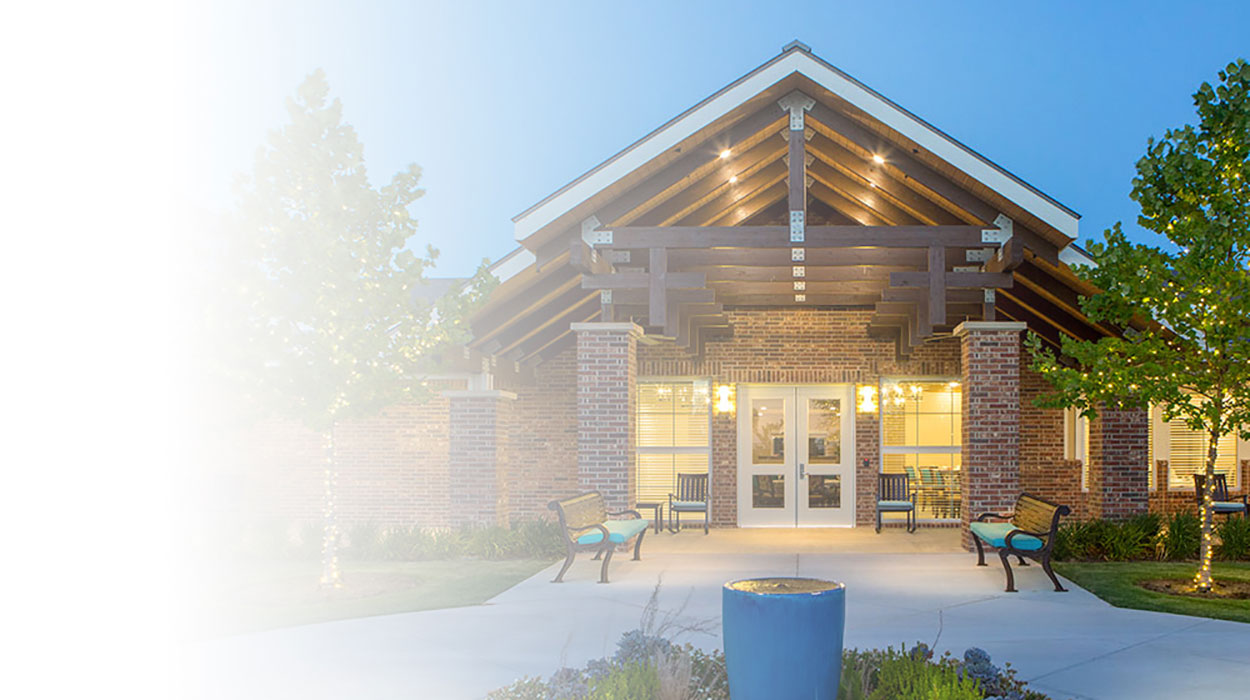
(544,442)
(796,345)
(606,393)
(479,456)
(392,470)
(1043,470)
(991,420)
(1118,453)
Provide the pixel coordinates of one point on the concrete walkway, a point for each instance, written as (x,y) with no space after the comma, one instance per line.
(1068,645)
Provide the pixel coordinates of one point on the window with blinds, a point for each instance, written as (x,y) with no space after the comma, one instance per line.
(1076,442)
(1188,455)
(674,434)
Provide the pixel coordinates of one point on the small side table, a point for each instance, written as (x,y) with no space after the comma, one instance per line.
(657,510)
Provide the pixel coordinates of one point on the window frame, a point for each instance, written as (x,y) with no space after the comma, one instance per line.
(883,449)
(673,449)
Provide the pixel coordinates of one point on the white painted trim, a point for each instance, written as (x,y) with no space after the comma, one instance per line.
(512,264)
(1073,256)
(859,95)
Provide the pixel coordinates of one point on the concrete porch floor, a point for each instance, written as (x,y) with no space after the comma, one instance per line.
(769,540)
(1068,645)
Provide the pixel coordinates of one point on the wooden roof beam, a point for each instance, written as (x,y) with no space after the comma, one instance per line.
(778,237)
(847,206)
(694,165)
(860,169)
(921,177)
(871,199)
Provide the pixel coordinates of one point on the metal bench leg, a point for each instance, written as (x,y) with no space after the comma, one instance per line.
(1021,561)
(567,563)
(980,550)
(705,522)
(603,573)
(597,555)
(878,522)
(1051,573)
(1011,580)
(638,544)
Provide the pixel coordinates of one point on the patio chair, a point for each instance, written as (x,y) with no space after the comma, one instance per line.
(691,497)
(894,495)
(1224,504)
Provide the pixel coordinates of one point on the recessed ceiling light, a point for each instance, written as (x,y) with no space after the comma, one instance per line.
(724,154)
(733,179)
(876,157)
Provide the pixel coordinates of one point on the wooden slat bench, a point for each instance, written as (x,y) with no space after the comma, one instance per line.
(1029,532)
(587,525)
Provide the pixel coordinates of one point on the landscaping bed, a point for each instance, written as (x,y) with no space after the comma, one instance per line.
(649,667)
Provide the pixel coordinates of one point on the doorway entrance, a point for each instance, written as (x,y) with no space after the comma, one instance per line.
(796,456)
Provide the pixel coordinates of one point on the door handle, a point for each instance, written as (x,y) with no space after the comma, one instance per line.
(802,470)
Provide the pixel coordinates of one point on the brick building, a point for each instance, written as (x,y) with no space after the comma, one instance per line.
(793,286)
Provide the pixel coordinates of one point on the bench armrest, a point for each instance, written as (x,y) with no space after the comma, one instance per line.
(568,531)
(636,514)
(1002,516)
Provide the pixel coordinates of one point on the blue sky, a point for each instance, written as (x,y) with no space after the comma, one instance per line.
(502,103)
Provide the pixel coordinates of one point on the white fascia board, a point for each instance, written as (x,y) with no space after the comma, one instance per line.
(836,82)
(1073,256)
(939,144)
(654,146)
(512,264)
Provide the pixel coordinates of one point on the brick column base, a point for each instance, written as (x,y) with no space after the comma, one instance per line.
(607,368)
(479,425)
(1118,469)
(991,418)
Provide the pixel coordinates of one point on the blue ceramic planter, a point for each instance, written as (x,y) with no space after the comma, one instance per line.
(783,638)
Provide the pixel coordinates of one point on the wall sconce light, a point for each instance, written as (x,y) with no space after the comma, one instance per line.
(866,398)
(724,398)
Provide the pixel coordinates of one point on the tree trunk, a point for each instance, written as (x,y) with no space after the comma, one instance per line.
(330,577)
(1203,580)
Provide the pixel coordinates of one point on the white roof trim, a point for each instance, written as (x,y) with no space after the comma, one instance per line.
(512,264)
(836,82)
(1072,255)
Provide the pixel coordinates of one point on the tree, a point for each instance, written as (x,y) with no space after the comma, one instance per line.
(318,303)
(1190,299)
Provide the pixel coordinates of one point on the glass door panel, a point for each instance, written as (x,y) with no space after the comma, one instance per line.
(826,466)
(766,457)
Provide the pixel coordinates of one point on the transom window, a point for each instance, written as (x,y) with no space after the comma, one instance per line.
(674,434)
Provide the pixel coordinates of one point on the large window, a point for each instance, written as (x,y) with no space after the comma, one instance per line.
(673,434)
(1185,450)
(921,425)
(1076,442)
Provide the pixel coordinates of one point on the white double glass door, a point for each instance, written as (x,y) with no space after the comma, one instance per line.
(796,456)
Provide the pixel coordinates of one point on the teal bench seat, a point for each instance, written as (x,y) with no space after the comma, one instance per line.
(995,535)
(618,531)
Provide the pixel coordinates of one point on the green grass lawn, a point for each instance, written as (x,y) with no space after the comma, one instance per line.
(260,596)
(1116,583)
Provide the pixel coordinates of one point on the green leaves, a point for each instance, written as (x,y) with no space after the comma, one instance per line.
(317,311)
(1187,298)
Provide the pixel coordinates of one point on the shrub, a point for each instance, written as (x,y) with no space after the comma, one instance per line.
(1181,537)
(651,667)
(1234,539)
(912,676)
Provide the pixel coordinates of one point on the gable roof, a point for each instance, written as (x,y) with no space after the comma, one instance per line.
(796,58)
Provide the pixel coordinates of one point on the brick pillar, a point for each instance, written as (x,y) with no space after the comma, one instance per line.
(607,368)
(724,481)
(478,452)
(867,466)
(991,418)
(1118,456)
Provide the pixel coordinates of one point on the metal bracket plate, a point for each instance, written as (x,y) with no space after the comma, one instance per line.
(605,296)
(798,254)
(966,268)
(800,297)
(798,228)
(800,271)
(979,255)
(800,285)
(990,296)
(993,235)
(618,256)
(599,238)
